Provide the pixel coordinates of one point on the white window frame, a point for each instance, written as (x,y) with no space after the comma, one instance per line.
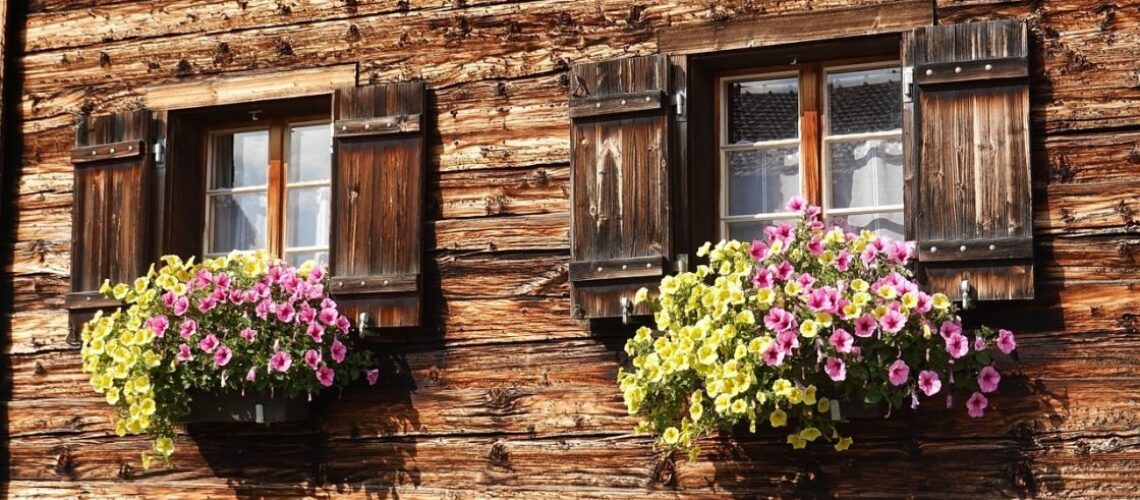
(724,148)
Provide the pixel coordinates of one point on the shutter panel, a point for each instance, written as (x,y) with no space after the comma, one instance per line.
(620,214)
(377,190)
(971,188)
(112,207)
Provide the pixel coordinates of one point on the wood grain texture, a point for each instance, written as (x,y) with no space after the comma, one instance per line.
(507,396)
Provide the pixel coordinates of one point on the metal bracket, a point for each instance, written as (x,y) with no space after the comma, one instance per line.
(964,290)
(682,263)
(364,320)
(626,309)
(908,84)
(160,153)
(679,101)
(72,338)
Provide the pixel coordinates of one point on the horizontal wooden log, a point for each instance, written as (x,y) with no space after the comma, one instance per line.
(527,232)
(218,90)
(479,193)
(1088,209)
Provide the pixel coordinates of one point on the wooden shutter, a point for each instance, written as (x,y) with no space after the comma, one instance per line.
(971,187)
(112,209)
(377,189)
(620,162)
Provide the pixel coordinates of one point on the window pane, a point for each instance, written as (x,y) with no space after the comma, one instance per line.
(760,181)
(240,159)
(309,156)
(237,222)
(752,230)
(865,173)
(297,258)
(888,224)
(864,101)
(307,217)
(763,110)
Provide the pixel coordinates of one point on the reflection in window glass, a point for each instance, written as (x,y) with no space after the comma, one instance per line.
(237,222)
(888,224)
(761,180)
(240,159)
(763,110)
(863,101)
(307,201)
(865,173)
(309,153)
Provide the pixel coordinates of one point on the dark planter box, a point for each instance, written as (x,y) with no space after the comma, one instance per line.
(255,408)
(856,410)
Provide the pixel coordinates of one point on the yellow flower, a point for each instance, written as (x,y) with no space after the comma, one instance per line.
(723,402)
(843,444)
(120,428)
(941,302)
(164,446)
(777,247)
(105,288)
(756,345)
(696,411)
(739,406)
(859,285)
(823,318)
(641,295)
(824,405)
(861,298)
(781,386)
(851,311)
(778,418)
(96,346)
(796,441)
(765,297)
(810,434)
(671,435)
(120,291)
(741,351)
(795,395)
(668,285)
(888,292)
(809,395)
(746,317)
(793,288)
(146,460)
(141,284)
(926,331)
(909,300)
(809,328)
(707,354)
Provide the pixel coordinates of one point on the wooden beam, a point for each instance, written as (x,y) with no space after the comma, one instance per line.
(243,88)
(761,31)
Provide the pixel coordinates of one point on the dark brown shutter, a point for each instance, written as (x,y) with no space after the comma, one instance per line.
(377,189)
(971,190)
(111,214)
(620,214)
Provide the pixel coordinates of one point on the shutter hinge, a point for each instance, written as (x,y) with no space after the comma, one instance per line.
(332,133)
(681,263)
(160,153)
(908,83)
(679,102)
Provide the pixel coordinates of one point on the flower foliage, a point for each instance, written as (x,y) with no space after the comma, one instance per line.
(229,324)
(778,332)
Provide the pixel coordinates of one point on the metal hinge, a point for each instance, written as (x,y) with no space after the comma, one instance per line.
(160,153)
(908,83)
(682,263)
(679,101)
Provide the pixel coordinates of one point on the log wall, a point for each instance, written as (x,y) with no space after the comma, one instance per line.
(509,395)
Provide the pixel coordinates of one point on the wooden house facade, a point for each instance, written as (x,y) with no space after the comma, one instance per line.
(502,176)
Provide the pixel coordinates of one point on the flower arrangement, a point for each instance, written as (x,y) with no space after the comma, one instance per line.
(779,332)
(234,323)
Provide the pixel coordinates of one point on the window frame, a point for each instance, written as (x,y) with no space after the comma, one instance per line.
(277,185)
(812,133)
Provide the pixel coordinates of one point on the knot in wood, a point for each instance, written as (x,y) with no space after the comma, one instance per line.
(498,455)
(664,471)
(502,399)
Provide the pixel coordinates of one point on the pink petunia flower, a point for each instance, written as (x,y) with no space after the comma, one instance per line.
(203,278)
(222,356)
(285,312)
(976,405)
(252,374)
(315,331)
(796,204)
(772,355)
(822,300)
(868,255)
(280,361)
(338,351)
(898,373)
(325,376)
(181,305)
(207,304)
(988,379)
(316,274)
(929,382)
(843,261)
(306,314)
(312,358)
(264,309)
(1006,341)
(782,271)
(373,376)
(865,326)
(787,342)
(779,320)
(957,345)
(209,343)
(168,299)
(841,340)
(925,303)
(188,328)
(328,303)
(237,297)
(900,252)
(949,328)
(343,324)
(759,250)
(892,321)
(762,278)
(249,334)
(328,316)
(815,245)
(222,280)
(274,274)
(184,353)
(158,324)
(979,343)
(836,369)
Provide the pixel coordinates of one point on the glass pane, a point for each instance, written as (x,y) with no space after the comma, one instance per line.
(240,159)
(752,230)
(763,110)
(864,101)
(307,217)
(865,173)
(237,222)
(309,156)
(761,181)
(297,258)
(888,224)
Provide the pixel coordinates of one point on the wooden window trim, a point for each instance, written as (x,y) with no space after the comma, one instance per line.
(276,186)
(812,125)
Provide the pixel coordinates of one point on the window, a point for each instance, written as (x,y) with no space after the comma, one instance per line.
(849,161)
(268,188)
